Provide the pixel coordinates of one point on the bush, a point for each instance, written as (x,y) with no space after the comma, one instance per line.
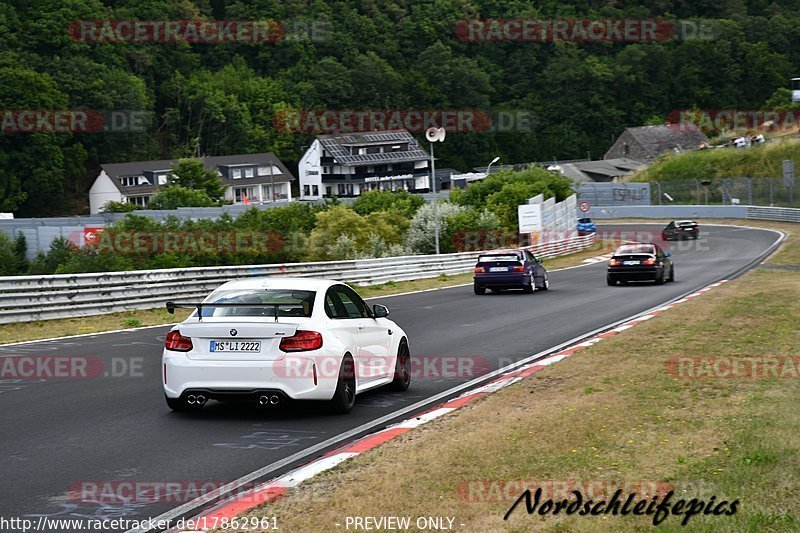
(420,238)
(341,233)
(119,207)
(59,253)
(175,196)
(401,202)
(537,181)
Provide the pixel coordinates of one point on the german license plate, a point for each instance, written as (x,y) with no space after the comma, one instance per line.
(235,346)
(498,269)
(630,262)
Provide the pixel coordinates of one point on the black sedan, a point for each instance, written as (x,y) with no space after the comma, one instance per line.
(640,262)
(509,269)
(680,229)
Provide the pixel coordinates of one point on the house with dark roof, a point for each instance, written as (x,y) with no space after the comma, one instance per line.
(248,178)
(347,164)
(599,171)
(646,143)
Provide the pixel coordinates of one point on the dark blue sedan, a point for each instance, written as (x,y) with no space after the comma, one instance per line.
(509,269)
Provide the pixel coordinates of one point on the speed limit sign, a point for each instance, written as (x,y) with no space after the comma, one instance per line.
(584,207)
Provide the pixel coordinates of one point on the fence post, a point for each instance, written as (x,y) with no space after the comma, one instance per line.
(749,191)
(658,184)
(697,191)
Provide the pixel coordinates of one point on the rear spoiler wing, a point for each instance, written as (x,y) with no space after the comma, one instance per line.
(171,306)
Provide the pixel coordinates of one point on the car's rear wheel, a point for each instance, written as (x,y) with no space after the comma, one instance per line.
(611,281)
(660,279)
(546,283)
(529,288)
(345,396)
(672,273)
(478,289)
(402,368)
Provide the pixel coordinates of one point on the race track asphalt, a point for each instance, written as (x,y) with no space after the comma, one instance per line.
(59,435)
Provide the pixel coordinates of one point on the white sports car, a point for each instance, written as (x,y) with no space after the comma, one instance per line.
(265,340)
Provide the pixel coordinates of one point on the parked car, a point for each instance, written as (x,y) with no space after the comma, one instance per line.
(640,262)
(586,226)
(266,340)
(680,229)
(509,269)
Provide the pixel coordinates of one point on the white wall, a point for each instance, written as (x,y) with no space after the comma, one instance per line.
(102,191)
(310,162)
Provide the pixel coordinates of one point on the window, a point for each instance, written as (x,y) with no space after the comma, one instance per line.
(240,192)
(162,179)
(306,190)
(316,190)
(343,302)
(293,303)
(327,170)
(370,168)
(236,173)
(248,173)
(341,189)
(362,151)
(138,200)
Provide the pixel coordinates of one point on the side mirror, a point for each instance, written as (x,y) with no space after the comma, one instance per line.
(380,311)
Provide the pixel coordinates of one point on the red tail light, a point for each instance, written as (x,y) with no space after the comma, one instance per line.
(649,262)
(519,269)
(301,341)
(613,263)
(480,270)
(177,342)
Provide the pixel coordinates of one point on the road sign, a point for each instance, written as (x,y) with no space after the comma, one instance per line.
(584,207)
(788,173)
(530,218)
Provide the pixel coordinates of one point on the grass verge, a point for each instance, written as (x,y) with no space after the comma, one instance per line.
(44,329)
(612,414)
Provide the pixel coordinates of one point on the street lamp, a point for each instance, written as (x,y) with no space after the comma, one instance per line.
(489,168)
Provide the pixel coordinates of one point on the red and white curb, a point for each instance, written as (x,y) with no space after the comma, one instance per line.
(598,258)
(278,487)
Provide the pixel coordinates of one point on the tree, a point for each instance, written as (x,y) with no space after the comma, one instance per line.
(175,196)
(191,174)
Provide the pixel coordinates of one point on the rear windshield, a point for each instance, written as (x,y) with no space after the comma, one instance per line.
(498,257)
(293,303)
(635,249)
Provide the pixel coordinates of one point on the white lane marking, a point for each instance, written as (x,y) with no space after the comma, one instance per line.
(423,418)
(295,477)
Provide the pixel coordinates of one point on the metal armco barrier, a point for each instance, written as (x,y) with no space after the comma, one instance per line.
(786,214)
(30,298)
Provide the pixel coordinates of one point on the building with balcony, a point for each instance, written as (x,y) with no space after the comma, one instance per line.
(248,178)
(345,165)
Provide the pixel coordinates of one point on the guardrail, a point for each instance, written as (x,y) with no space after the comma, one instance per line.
(28,298)
(786,214)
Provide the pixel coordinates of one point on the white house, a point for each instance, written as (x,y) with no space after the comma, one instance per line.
(248,178)
(349,164)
